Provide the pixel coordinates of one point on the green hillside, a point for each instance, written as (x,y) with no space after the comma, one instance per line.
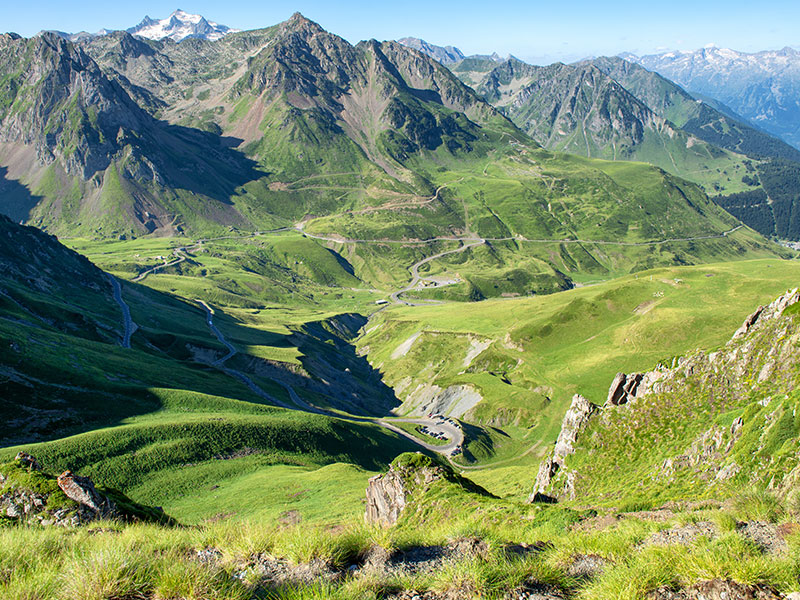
(585,109)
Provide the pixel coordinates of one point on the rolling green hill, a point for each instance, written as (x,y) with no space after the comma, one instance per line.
(163,410)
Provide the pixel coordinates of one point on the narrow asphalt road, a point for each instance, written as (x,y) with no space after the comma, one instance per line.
(218,334)
(129,326)
(456,436)
(181,256)
(455,433)
(415,278)
(516,238)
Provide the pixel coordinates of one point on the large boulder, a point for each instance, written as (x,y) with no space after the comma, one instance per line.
(30,496)
(82,491)
(404,486)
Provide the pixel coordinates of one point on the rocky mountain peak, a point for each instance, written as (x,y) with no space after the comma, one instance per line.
(444,54)
(301,24)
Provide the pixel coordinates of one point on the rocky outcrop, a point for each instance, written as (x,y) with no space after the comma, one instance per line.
(403,487)
(625,388)
(32,497)
(748,323)
(709,450)
(27,461)
(761,355)
(386,498)
(82,491)
(574,421)
(388,494)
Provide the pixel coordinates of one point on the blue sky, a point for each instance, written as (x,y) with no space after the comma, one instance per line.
(533,30)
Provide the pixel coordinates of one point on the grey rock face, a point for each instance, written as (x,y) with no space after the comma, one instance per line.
(623,388)
(748,323)
(388,494)
(574,421)
(82,491)
(386,498)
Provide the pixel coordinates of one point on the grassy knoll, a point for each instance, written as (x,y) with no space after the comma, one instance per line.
(242,452)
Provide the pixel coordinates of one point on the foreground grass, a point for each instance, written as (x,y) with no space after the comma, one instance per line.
(221,560)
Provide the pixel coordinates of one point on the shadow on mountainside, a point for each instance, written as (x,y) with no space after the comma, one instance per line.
(64,378)
(16,201)
(202,162)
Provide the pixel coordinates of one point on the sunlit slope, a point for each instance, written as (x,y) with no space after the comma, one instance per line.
(526,357)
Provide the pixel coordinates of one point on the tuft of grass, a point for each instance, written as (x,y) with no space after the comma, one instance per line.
(757,505)
(110,572)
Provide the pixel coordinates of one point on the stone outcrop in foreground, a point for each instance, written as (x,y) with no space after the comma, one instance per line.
(388,494)
(30,496)
(403,488)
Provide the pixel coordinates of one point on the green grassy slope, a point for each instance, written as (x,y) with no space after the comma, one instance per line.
(717,425)
(582,109)
(540,351)
(547,219)
(157,420)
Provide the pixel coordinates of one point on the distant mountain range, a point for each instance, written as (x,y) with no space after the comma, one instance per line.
(763,87)
(177,26)
(444,54)
(448,55)
(120,136)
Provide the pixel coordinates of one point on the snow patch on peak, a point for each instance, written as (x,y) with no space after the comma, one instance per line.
(180,25)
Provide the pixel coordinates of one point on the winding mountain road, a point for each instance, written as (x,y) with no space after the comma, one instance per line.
(415,278)
(180,251)
(455,433)
(129,326)
(218,334)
